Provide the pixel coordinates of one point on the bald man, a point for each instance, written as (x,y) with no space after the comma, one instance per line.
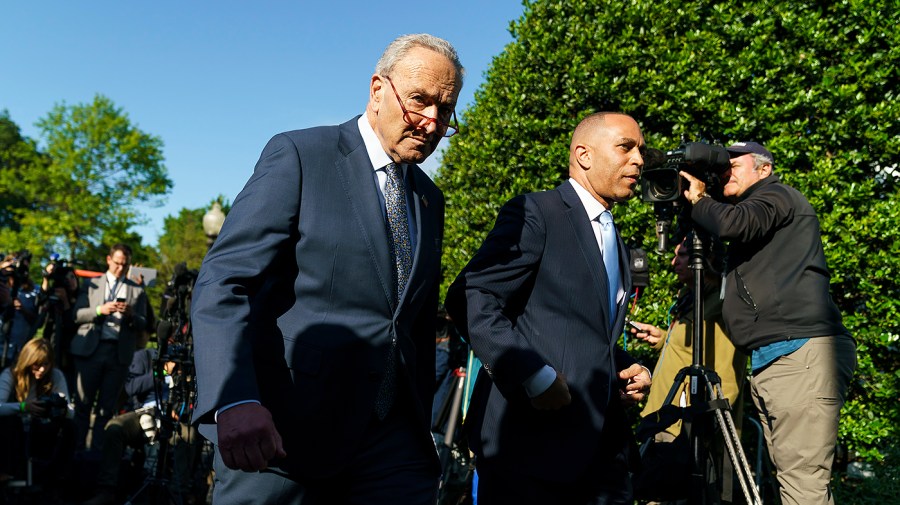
(542,303)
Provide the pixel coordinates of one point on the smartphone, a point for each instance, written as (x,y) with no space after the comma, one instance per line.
(120,300)
(634,325)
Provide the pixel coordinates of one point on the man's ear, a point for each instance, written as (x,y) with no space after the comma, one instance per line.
(765,171)
(583,155)
(376,92)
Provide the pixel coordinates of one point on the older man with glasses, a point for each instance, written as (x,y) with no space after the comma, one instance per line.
(313,313)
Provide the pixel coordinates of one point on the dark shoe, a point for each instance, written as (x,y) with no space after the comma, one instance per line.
(103,497)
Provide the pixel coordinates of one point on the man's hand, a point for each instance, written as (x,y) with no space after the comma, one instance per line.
(248,438)
(637,383)
(697,189)
(555,397)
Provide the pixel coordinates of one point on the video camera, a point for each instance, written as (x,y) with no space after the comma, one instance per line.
(173,333)
(704,161)
(17,269)
(663,185)
(55,406)
(57,275)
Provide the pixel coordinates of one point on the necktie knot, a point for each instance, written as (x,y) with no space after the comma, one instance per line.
(605,219)
(394,171)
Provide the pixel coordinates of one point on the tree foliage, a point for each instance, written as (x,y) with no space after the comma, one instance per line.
(183,239)
(80,192)
(18,156)
(817,83)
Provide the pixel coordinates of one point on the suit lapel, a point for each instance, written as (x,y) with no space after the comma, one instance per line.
(358,181)
(425,232)
(587,243)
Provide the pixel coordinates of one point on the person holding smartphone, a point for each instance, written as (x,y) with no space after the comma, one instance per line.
(111,312)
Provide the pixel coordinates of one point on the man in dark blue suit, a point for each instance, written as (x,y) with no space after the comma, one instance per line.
(313,313)
(542,303)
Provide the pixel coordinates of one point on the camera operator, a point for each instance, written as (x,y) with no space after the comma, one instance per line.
(56,314)
(777,307)
(18,306)
(34,396)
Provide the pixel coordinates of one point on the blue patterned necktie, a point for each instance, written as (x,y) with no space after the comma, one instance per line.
(395,206)
(401,253)
(610,259)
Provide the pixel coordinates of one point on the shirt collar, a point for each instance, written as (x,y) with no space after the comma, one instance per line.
(110,278)
(590,204)
(376,153)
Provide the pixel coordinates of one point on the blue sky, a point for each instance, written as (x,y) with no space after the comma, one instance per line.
(215,80)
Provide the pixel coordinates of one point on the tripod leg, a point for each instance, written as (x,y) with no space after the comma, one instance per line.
(735,451)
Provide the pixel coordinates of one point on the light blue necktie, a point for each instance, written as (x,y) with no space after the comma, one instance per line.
(401,254)
(610,259)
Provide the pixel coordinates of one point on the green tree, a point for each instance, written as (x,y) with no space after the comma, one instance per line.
(817,82)
(183,239)
(18,156)
(100,166)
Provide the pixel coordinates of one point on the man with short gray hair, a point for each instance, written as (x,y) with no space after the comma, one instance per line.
(778,309)
(313,312)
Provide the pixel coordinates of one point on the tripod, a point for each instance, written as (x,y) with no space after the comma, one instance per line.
(157,485)
(706,398)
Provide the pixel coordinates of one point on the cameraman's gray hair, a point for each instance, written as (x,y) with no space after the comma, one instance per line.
(761,159)
(397,49)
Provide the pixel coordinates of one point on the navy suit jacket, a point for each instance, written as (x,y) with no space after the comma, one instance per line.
(535,294)
(293,305)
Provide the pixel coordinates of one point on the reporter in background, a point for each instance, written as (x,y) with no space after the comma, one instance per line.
(34,395)
(136,427)
(676,344)
(111,312)
(777,307)
(676,348)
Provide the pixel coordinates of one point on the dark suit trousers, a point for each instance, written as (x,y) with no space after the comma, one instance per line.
(101,372)
(604,482)
(392,467)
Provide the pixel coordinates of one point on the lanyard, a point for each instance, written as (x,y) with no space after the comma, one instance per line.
(113,290)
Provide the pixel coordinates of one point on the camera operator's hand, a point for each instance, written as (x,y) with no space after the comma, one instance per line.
(697,189)
(35,407)
(648,333)
(637,384)
(555,397)
(248,438)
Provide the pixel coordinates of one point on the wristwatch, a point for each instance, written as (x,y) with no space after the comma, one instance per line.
(701,195)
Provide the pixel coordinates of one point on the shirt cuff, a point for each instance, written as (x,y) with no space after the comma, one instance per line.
(540,381)
(235,404)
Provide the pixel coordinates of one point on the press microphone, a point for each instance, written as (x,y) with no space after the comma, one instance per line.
(163,332)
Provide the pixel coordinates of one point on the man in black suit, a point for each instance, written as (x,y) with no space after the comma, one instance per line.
(313,313)
(542,303)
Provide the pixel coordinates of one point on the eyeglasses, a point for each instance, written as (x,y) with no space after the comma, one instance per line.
(420,120)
